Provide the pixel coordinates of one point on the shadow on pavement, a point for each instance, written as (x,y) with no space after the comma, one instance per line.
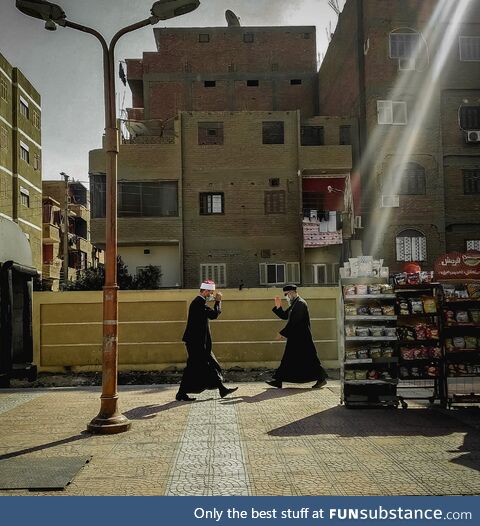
(268,394)
(49,445)
(150,411)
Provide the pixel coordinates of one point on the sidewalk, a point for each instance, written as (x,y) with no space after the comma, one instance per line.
(263,441)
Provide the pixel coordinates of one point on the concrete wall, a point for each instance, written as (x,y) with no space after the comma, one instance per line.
(68,328)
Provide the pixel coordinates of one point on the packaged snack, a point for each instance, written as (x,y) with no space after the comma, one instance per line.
(386,288)
(349,331)
(413,278)
(449,317)
(387,352)
(461,293)
(388,310)
(363,353)
(375,310)
(349,290)
(459,342)
(420,331)
(391,332)
(473,290)
(432,371)
(475,316)
(376,331)
(350,310)
(416,306)
(374,289)
(360,374)
(403,307)
(470,342)
(362,310)
(361,289)
(449,345)
(432,332)
(417,353)
(400,278)
(462,316)
(349,374)
(426,276)
(435,353)
(429,305)
(350,354)
(406,353)
(449,291)
(415,372)
(362,331)
(373,375)
(376,352)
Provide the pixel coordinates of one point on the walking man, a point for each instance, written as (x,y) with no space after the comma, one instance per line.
(300,362)
(202,370)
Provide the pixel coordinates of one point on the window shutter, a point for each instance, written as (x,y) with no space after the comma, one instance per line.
(263,273)
(309,270)
(293,272)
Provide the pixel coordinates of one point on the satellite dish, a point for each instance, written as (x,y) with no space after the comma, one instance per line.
(232,19)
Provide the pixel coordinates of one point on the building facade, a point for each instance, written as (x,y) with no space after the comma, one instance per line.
(66,203)
(226,170)
(20,156)
(408,71)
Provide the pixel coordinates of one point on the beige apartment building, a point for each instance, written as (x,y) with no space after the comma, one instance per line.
(20,156)
(66,219)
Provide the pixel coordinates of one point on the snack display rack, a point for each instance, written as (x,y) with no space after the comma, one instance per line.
(421,360)
(461,341)
(369,361)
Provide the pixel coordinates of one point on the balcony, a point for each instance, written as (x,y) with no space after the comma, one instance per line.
(50,234)
(51,269)
(80,211)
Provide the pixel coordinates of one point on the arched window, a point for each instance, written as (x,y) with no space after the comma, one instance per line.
(411,245)
(412,179)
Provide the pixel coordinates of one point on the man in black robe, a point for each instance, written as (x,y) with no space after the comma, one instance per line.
(202,370)
(300,362)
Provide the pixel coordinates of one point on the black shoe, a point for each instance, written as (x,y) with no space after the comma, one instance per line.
(275,383)
(319,384)
(225,391)
(183,397)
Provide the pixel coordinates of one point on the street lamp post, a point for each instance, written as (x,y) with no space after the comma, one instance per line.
(109,420)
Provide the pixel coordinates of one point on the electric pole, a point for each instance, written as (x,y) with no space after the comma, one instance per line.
(65,231)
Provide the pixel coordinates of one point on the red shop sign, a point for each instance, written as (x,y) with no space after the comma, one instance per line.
(458,265)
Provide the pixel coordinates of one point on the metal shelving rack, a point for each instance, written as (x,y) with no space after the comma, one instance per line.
(376,392)
(461,388)
(421,386)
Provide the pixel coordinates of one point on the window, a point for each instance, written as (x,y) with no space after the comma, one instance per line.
(312,135)
(210,133)
(470,117)
(472,244)
(391,112)
(272,132)
(36,119)
(209,83)
(275,202)
(345,134)
(274,181)
(411,245)
(295,82)
(469,49)
(3,138)
(215,271)
(252,83)
(24,152)
(3,89)
(212,203)
(306,36)
(98,193)
(316,274)
(24,197)
(248,38)
(279,273)
(231,68)
(24,108)
(471,182)
(147,199)
(204,38)
(403,45)
(36,161)
(274,66)
(412,179)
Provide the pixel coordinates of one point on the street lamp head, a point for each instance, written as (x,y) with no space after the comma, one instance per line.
(165,9)
(52,13)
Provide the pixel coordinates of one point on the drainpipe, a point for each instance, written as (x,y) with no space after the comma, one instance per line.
(300,203)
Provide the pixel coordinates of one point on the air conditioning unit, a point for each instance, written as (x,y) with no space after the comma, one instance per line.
(390,201)
(358,222)
(473,136)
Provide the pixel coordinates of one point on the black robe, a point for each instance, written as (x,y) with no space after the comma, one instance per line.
(300,362)
(202,370)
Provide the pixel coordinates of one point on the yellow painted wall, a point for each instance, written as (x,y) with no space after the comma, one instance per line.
(68,328)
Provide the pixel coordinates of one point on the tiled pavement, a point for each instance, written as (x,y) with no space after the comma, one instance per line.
(264,441)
